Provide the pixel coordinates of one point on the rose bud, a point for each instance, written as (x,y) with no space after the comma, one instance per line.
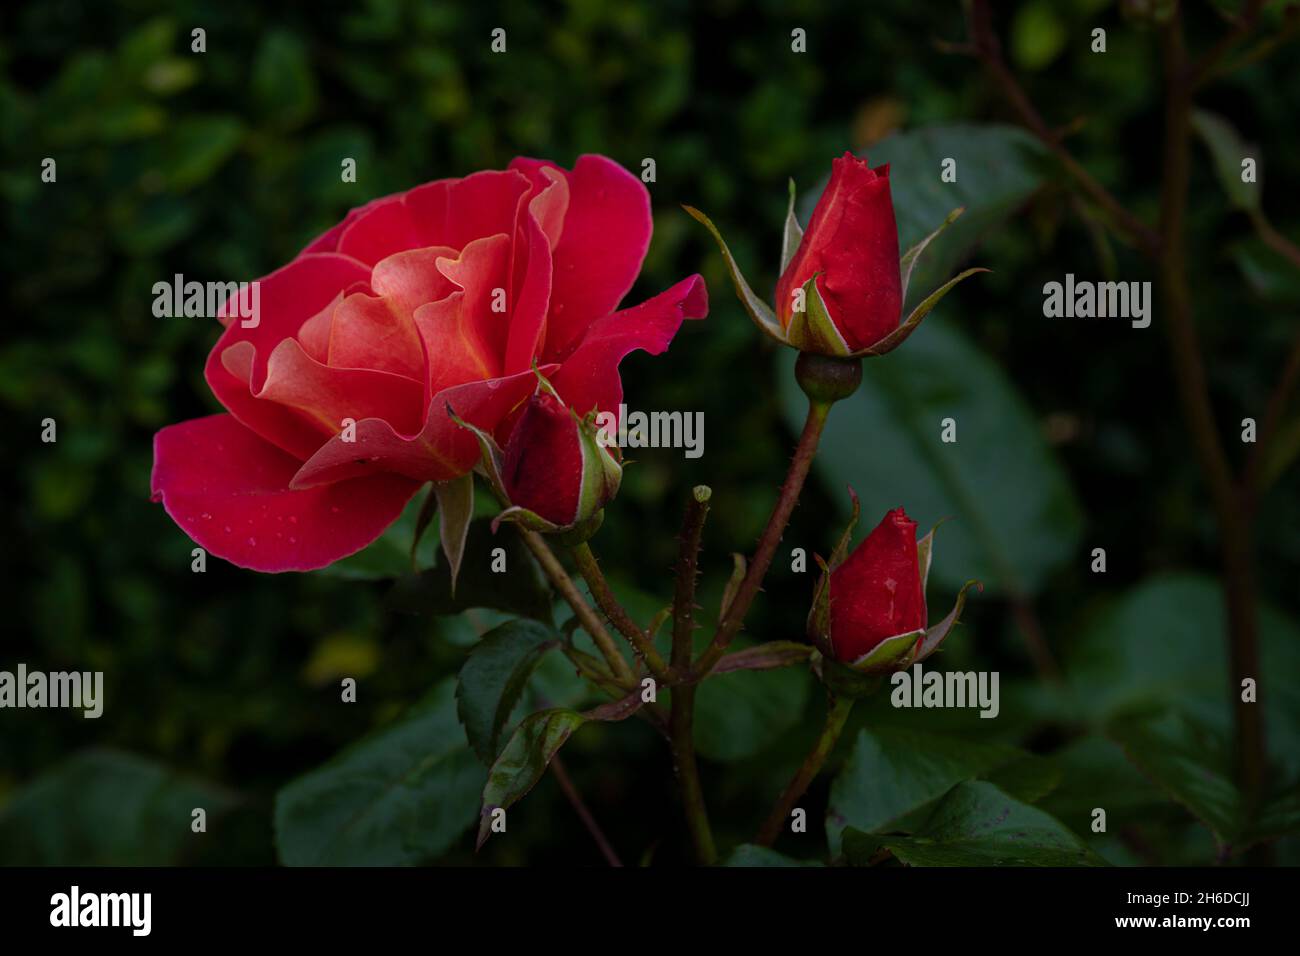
(552,466)
(869,611)
(848,258)
(842,285)
(554,473)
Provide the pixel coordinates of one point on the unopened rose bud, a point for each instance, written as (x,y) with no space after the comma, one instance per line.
(553,466)
(847,263)
(869,608)
(876,593)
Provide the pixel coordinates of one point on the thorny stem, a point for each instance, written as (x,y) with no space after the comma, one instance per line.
(688,777)
(838,709)
(683,706)
(731,621)
(584,612)
(617,614)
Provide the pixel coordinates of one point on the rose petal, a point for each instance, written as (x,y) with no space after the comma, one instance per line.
(589,377)
(455,352)
(441,451)
(482,268)
(381,229)
(606,233)
(229,491)
(288,298)
(454,212)
(328,395)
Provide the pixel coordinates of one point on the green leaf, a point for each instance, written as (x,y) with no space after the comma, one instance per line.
(740,713)
(977,824)
(1227,150)
(1028,778)
(398,797)
(1161,647)
(860,848)
(519,589)
(535,741)
(197,146)
(493,679)
(764,657)
(892,773)
(282,81)
(107,808)
(1016,517)
(998,168)
(747,854)
(1191,763)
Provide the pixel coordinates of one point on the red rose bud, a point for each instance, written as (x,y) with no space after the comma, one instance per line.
(843,285)
(877,593)
(553,468)
(851,247)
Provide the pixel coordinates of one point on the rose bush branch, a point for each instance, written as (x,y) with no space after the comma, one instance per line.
(837,712)
(985,45)
(683,704)
(609,605)
(1232,499)
(583,611)
(788,497)
(584,813)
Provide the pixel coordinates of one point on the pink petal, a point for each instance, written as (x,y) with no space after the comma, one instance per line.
(589,377)
(456,354)
(289,297)
(483,267)
(379,230)
(606,233)
(441,451)
(229,491)
(454,212)
(328,395)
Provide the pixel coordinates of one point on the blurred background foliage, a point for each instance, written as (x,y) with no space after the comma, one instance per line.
(222,688)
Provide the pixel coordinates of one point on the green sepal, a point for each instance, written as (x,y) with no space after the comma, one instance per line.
(490,458)
(841,680)
(896,338)
(758,310)
(891,654)
(601,472)
(813,329)
(908,261)
(455,512)
(819,625)
(793,234)
(934,636)
(925,553)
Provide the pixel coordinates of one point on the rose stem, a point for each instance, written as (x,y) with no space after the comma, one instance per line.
(1234,501)
(771,537)
(617,614)
(582,610)
(837,713)
(683,706)
(580,807)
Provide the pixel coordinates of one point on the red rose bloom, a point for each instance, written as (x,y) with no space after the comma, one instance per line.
(877,592)
(445,295)
(851,245)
